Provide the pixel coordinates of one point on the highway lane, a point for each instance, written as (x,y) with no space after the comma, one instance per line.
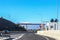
(33,36)
(10,36)
(28,36)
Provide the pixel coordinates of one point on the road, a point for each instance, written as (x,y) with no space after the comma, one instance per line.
(28,36)
(33,36)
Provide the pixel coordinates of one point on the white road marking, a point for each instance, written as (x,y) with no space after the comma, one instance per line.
(2,38)
(45,38)
(19,37)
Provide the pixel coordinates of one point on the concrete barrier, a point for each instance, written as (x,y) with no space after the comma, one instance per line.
(50,33)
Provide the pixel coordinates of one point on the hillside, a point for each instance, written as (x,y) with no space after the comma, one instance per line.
(6,24)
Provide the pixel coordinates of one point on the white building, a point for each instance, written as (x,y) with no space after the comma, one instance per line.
(52,26)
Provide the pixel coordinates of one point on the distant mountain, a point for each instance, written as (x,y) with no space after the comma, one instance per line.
(6,24)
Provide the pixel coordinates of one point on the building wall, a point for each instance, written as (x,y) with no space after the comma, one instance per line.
(52,26)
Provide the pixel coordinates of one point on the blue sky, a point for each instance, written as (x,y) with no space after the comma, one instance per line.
(28,10)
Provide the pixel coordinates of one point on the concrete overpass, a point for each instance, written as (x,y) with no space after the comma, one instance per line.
(30,23)
(26,24)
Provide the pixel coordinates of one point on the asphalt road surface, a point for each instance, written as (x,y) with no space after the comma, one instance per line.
(28,36)
(33,36)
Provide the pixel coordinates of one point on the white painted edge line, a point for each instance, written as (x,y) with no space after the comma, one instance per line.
(44,37)
(2,38)
(19,37)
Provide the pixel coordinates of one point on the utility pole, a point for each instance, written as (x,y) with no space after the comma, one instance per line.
(57,12)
